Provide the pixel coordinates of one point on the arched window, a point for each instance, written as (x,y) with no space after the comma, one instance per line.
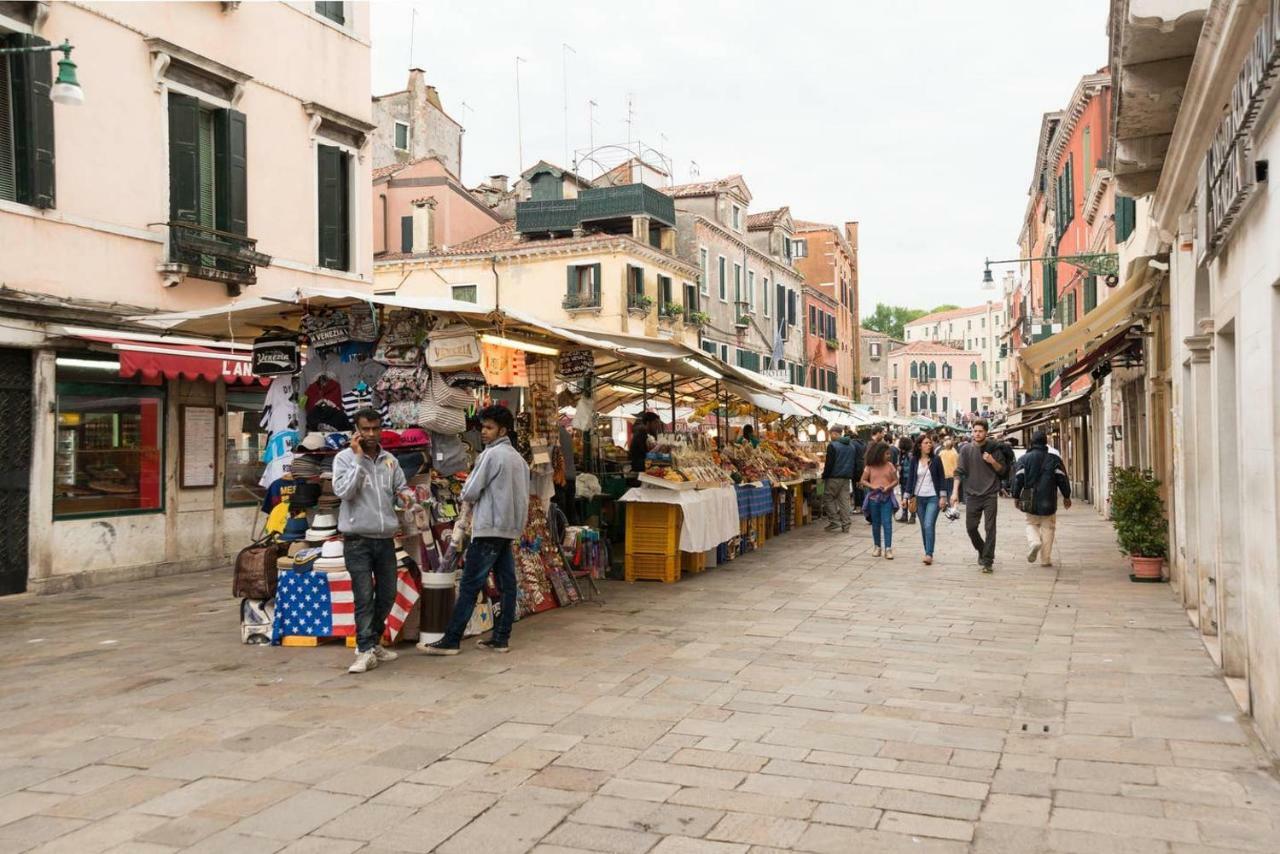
(946,370)
(915,372)
(973,370)
(915,402)
(933,402)
(933,370)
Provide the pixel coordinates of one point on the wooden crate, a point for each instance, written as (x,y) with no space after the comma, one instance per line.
(693,562)
(652,528)
(310,640)
(652,567)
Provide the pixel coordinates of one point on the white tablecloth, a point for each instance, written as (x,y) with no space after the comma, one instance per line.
(710,515)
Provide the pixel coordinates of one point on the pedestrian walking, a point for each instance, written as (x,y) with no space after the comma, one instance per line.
(498,491)
(1036,484)
(979,470)
(906,448)
(926,487)
(368,480)
(879,478)
(837,481)
(949,456)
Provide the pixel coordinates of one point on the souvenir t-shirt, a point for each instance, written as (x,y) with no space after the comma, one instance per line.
(320,364)
(276,469)
(280,490)
(280,408)
(360,398)
(324,389)
(282,442)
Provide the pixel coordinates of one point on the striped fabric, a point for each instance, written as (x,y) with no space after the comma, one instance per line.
(406,595)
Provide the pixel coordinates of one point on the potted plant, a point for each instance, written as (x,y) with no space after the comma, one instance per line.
(743,322)
(639,303)
(671,309)
(832,344)
(698,318)
(1138,515)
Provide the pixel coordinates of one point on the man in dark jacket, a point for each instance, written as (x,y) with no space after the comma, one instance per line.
(1043,476)
(837,476)
(859,463)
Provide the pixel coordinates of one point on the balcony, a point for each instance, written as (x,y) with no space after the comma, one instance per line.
(553,215)
(581,302)
(217,256)
(602,203)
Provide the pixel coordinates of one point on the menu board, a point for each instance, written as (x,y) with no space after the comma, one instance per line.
(197,446)
(577,363)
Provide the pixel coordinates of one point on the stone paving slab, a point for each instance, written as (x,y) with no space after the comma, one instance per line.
(807,698)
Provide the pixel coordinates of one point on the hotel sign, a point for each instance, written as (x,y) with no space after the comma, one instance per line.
(1229,176)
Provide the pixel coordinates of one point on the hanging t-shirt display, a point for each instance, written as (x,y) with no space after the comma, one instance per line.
(280,408)
(324,389)
(362,397)
(281,442)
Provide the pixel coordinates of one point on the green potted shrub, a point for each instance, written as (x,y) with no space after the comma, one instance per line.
(639,303)
(671,309)
(1139,519)
(698,318)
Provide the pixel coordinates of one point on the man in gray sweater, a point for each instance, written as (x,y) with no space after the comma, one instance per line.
(981,468)
(498,491)
(368,479)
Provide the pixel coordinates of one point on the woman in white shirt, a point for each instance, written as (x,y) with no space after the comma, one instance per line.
(925,486)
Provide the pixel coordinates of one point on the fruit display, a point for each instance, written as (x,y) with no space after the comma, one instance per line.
(776,459)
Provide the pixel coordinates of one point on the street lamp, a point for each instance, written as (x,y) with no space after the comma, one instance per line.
(988,283)
(66,89)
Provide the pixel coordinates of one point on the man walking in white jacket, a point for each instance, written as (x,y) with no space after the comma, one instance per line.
(498,490)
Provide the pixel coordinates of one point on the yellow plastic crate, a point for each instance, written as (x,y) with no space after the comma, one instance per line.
(653,528)
(693,562)
(652,567)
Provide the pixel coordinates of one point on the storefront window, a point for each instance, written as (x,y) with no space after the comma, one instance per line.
(109,456)
(245,442)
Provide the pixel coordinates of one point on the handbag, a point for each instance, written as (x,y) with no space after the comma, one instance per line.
(435,415)
(276,353)
(911,504)
(256,570)
(453,347)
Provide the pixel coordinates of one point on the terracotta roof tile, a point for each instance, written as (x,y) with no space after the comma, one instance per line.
(929,348)
(806,225)
(766,219)
(393,168)
(947,315)
(504,238)
(701,188)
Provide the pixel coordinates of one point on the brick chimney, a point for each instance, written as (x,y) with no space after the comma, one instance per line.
(424,211)
(498,182)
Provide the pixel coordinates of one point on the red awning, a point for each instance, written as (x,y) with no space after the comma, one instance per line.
(154,362)
(1128,337)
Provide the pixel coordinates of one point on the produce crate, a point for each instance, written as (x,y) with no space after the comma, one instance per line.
(652,567)
(652,529)
(693,562)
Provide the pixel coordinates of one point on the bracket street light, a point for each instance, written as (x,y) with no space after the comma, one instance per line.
(66,89)
(1105,264)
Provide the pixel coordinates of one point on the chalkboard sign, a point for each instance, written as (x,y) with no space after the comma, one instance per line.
(197,446)
(577,363)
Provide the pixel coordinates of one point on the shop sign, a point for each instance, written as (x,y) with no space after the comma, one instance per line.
(1229,177)
(575,364)
(235,369)
(775,374)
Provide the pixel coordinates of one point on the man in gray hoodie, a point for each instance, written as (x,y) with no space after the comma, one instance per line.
(498,491)
(368,479)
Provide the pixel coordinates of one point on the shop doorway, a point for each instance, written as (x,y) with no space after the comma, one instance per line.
(15,467)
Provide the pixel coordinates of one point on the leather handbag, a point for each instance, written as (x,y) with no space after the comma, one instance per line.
(257,570)
(435,415)
(453,347)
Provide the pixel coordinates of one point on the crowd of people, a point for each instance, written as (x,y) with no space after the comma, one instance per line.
(916,480)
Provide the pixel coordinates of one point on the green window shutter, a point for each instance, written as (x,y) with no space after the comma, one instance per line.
(205,151)
(595,283)
(914,371)
(231,180)
(332,9)
(184,158)
(1090,293)
(571,284)
(32,121)
(406,235)
(1126,218)
(640,280)
(333,208)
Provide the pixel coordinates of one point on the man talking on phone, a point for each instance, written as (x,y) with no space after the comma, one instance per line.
(368,479)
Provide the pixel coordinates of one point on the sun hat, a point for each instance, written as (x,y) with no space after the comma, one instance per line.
(331,549)
(305,560)
(331,559)
(294,529)
(304,466)
(313,441)
(414,436)
(323,526)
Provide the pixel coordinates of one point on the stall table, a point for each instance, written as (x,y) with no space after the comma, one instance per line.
(662,523)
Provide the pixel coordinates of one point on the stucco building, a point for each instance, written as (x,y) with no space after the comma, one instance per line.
(827,257)
(412,125)
(420,205)
(976,329)
(204,159)
(748,287)
(935,380)
(822,342)
(876,390)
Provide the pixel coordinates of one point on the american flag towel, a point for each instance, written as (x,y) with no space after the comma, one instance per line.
(314,604)
(406,595)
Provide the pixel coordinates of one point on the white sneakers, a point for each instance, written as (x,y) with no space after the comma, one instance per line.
(876,552)
(888,554)
(366,661)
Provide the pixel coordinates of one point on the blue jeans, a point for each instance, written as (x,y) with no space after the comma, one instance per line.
(371,562)
(881,520)
(927,513)
(484,554)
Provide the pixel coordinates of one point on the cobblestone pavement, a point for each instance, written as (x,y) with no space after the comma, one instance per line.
(806,698)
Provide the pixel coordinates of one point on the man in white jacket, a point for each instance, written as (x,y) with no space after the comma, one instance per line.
(498,490)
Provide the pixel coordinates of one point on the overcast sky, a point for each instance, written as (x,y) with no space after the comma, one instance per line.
(917,118)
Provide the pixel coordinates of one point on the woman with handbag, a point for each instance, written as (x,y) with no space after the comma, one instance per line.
(1039,479)
(925,487)
(879,477)
(906,452)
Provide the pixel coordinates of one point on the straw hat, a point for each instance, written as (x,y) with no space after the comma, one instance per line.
(322,528)
(314,441)
(331,559)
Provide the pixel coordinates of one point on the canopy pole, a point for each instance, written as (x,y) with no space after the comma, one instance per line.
(673,403)
(719,420)
(644,389)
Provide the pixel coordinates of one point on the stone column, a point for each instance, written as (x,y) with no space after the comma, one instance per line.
(44,434)
(1202,489)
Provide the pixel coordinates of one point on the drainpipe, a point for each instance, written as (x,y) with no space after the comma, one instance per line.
(497,282)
